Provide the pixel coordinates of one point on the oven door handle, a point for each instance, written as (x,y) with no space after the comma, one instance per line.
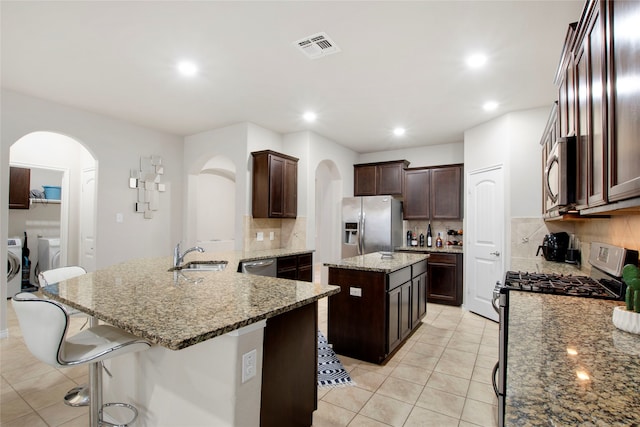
(494,380)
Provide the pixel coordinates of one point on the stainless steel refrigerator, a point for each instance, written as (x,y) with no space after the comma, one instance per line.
(370,224)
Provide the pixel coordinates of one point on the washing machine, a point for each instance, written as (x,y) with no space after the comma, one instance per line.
(14,266)
(48,253)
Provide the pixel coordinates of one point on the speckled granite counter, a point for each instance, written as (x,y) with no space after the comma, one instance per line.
(376,262)
(180,309)
(544,385)
(450,249)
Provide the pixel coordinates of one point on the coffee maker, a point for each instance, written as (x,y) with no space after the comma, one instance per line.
(554,246)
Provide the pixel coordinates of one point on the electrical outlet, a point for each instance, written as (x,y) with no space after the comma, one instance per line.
(272,235)
(249,365)
(260,236)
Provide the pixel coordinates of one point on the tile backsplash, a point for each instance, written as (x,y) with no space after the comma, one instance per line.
(287,233)
(527,235)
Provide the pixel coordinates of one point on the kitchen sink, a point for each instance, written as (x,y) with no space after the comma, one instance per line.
(201,266)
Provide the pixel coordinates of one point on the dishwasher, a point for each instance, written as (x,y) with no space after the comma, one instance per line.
(263,267)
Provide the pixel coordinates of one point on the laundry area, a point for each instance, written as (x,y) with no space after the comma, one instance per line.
(34,230)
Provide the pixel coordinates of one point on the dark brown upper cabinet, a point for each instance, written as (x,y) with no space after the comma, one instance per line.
(19,182)
(379,179)
(599,104)
(433,193)
(446,192)
(275,185)
(624,101)
(590,110)
(417,197)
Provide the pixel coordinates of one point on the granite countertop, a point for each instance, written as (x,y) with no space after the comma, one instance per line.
(376,262)
(544,385)
(180,309)
(451,249)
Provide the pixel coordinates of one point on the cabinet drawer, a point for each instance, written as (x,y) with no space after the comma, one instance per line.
(399,277)
(418,268)
(442,258)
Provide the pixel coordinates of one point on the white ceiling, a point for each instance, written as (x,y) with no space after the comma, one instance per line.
(401,63)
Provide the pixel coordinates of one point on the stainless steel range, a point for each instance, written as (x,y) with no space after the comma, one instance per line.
(604,282)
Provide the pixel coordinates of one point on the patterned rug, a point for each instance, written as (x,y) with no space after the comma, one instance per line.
(331,373)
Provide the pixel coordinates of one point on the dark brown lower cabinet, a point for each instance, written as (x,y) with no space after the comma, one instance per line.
(296,267)
(290,369)
(445,278)
(375,312)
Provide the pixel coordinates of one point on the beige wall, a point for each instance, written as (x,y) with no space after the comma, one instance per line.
(527,234)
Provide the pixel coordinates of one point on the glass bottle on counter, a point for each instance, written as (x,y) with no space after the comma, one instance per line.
(429,242)
(438,241)
(421,240)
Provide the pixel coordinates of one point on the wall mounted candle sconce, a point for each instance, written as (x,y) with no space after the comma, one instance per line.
(147,182)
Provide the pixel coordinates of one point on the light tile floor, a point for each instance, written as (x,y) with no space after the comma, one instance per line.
(439,377)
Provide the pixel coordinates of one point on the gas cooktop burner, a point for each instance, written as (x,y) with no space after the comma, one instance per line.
(582,286)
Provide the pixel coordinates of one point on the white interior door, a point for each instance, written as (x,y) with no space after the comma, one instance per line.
(87,220)
(484,248)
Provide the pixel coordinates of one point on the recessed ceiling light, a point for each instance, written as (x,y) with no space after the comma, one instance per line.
(187,68)
(399,131)
(476,60)
(310,116)
(490,105)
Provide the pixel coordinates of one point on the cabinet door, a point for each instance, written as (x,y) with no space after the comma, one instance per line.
(590,113)
(442,282)
(406,325)
(394,304)
(19,182)
(389,179)
(290,189)
(287,267)
(582,127)
(597,111)
(364,180)
(446,192)
(305,267)
(624,101)
(276,187)
(420,283)
(416,194)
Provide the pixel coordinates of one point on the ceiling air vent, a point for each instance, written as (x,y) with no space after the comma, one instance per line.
(317,46)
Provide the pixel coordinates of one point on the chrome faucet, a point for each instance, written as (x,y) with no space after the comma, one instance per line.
(179,257)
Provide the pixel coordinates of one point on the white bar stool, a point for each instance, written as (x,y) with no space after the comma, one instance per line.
(77,396)
(44,325)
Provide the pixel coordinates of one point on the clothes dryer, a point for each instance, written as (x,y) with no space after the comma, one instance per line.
(48,253)
(14,266)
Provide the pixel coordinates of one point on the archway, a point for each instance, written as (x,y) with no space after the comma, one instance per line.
(212,191)
(328,195)
(57,160)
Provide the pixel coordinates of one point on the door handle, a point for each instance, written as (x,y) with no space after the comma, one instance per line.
(496,253)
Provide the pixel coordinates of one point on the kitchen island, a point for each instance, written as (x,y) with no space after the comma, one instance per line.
(203,323)
(383,299)
(567,364)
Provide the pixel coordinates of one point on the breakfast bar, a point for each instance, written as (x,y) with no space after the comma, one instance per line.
(204,325)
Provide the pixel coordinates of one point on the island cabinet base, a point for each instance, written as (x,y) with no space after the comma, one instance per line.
(375,312)
(290,369)
(202,385)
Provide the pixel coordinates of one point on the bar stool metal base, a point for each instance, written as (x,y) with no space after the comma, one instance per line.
(77,396)
(118,405)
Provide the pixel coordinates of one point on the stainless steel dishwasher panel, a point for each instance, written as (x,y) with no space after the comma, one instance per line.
(263,267)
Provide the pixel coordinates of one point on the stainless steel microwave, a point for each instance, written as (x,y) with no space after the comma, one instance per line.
(560,176)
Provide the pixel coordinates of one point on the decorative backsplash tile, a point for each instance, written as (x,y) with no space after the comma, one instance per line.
(527,235)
